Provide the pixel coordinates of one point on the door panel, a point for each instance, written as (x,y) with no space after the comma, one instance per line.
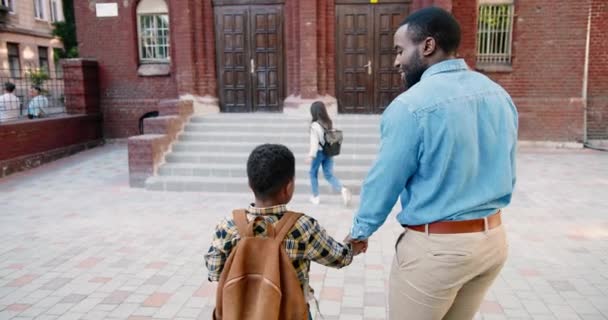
(387,80)
(364,35)
(232,58)
(268,81)
(354,85)
(249,41)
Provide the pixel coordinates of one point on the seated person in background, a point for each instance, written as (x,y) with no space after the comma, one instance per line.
(9,103)
(38,104)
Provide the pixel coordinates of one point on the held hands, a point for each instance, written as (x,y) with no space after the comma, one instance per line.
(359,246)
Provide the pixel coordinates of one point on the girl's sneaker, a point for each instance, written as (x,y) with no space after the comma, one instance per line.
(346,196)
(315,200)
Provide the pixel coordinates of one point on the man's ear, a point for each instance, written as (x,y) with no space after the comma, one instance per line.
(429,46)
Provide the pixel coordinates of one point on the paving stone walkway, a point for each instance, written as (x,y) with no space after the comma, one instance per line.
(77,243)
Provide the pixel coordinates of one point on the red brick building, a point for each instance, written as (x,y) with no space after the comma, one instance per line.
(275,55)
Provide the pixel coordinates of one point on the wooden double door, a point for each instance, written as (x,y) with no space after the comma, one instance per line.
(367,80)
(249,42)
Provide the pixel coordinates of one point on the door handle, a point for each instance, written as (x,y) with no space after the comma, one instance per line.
(252,66)
(369,67)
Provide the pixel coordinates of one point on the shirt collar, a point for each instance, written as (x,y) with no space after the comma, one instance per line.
(278,209)
(445,66)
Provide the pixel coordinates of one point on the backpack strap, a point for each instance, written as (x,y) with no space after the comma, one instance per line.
(240,220)
(285,224)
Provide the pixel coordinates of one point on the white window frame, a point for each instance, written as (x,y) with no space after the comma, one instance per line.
(54,10)
(494,44)
(10,4)
(154,9)
(39,9)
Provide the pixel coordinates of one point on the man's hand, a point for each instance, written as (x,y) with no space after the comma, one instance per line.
(308,160)
(359,245)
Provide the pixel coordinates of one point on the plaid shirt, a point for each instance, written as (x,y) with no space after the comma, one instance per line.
(306,241)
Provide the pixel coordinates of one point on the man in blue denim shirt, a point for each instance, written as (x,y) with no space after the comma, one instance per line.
(447,150)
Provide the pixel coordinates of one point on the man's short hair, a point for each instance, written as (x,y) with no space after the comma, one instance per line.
(9,86)
(269,168)
(37,88)
(436,23)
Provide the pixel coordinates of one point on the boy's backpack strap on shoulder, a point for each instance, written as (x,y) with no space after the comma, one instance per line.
(240,220)
(285,224)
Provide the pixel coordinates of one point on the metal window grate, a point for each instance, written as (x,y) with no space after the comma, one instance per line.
(494,34)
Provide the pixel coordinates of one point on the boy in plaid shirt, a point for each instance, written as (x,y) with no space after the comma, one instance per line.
(271,173)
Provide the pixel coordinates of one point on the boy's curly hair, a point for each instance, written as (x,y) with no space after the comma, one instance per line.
(269,168)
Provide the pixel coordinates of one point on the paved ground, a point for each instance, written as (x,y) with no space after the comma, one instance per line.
(77,243)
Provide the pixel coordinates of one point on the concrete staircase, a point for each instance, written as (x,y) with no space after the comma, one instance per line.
(211,154)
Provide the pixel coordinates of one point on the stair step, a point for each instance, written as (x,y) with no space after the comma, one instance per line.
(240,170)
(233,185)
(211,154)
(276,128)
(180,157)
(283,118)
(285,138)
(247,147)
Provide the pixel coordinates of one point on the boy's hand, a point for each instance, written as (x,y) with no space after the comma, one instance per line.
(358,246)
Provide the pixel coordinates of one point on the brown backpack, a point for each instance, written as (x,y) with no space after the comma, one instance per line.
(258,281)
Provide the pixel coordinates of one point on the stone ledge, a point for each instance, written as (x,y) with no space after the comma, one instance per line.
(298,105)
(154,70)
(30,161)
(550,144)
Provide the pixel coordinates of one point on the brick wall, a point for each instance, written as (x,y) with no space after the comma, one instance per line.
(30,143)
(112,41)
(597,115)
(545,80)
(548,57)
(126,96)
(466,13)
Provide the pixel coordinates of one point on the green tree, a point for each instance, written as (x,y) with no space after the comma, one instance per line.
(66,31)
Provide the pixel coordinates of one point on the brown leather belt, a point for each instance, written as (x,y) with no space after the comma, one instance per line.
(465,226)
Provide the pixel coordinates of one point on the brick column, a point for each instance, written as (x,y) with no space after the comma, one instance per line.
(308,48)
(81,82)
(182,33)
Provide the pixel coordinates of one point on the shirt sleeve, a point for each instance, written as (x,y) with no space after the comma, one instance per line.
(221,245)
(325,250)
(314,141)
(396,162)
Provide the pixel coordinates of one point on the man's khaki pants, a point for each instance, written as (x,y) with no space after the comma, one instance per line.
(444,276)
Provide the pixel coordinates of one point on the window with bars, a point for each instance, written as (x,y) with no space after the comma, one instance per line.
(154,37)
(494,32)
(43,59)
(153,31)
(10,4)
(39,9)
(14,62)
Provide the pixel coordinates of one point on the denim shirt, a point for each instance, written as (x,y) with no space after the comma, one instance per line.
(447,149)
